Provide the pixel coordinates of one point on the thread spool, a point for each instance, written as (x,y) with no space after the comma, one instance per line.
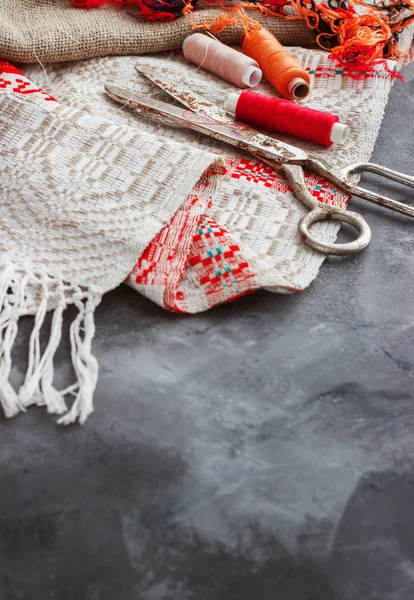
(279,67)
(227,63)
(283,116)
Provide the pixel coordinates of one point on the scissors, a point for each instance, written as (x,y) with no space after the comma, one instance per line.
(204,117)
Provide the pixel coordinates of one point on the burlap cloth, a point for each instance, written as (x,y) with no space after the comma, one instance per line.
(55,31)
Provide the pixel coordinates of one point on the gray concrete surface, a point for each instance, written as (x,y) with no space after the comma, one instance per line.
(261,451)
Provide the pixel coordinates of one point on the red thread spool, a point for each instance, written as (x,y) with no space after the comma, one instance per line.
(284,116)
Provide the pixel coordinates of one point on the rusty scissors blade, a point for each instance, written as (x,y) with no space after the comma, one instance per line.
(277,155)
(244,138)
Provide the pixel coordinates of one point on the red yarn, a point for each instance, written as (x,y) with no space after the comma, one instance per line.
(284,116)
(96,3)
(6,67)
(276,5)
(152,13)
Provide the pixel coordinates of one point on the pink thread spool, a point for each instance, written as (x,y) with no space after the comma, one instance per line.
(212,55)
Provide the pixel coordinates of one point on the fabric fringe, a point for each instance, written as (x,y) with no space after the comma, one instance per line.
(27,293)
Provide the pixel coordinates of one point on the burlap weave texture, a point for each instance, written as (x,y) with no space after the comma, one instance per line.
(55,31)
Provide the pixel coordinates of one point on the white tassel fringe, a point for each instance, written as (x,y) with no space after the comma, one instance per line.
(17,291)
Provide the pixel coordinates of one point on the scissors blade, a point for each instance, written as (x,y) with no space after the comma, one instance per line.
(244,138)
(178,90)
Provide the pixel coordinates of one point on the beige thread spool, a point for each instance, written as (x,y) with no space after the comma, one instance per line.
(223,61)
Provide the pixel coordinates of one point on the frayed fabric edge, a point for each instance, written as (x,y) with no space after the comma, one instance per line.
(26,293)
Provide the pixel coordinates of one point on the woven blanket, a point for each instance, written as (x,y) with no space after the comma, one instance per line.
(92,196)
(253,217)
(74,188)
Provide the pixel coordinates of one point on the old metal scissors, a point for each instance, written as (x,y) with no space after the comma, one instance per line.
(202,116)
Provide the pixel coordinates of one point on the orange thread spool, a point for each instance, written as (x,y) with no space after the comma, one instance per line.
(278,66)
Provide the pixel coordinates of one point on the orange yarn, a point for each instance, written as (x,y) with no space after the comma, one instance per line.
(235,15)
(278,66)
(359,41)
(363,35)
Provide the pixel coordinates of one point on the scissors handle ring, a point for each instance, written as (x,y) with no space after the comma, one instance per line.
(345,216)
